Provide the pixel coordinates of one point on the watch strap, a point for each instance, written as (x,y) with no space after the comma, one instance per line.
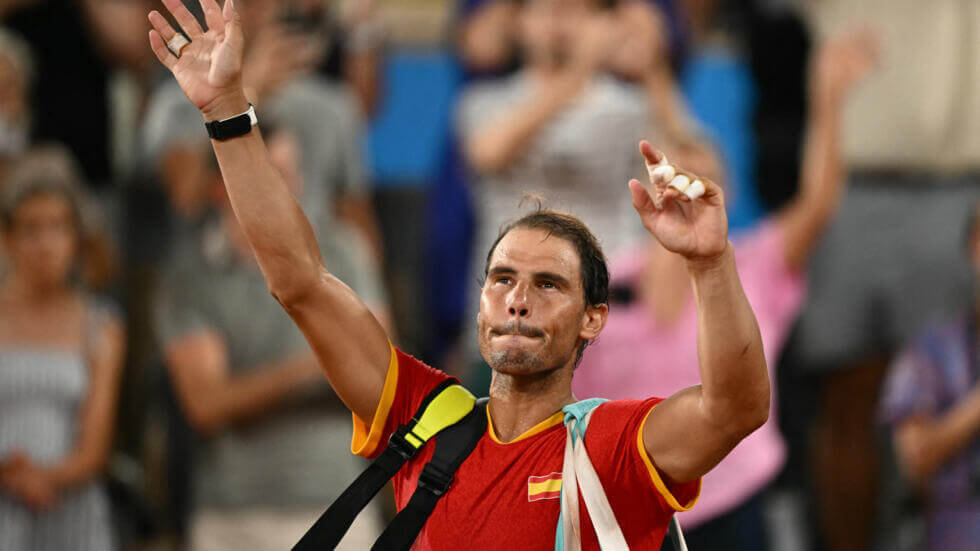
(232,127)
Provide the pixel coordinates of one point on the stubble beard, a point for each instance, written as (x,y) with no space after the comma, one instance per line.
(511,360)
(514,361)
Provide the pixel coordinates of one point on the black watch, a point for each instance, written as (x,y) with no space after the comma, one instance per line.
(232,127)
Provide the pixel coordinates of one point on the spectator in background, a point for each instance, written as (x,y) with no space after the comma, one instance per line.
(562,127)
(355,42)
(342,44)
(324,121)
(486,39)
(16,74)
(275,449)
(889,264)
(344,39)
(61,355)
(79,45)
(931,400)
(648,344)
(487,35)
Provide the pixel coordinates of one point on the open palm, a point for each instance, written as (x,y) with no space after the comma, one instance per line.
(210,67)
(692,224)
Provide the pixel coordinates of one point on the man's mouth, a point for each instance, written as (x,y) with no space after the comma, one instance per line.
(512,335)
(516,330)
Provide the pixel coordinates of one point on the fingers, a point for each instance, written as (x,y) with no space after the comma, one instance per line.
(651,155)
(688,186)
(658,170)
(680,182)
(642,201)
(212,16)
(162,26)
(660,175)
(160,49)
(670,183)
(712,191)
(229,12)
(184,18)
(233,23)
(695,190)
(657,167)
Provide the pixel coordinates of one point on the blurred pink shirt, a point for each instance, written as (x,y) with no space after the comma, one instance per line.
(637,357)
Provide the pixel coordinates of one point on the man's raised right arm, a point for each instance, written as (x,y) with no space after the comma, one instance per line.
(350,345)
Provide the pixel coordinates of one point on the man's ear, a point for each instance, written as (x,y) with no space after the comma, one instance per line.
(593,321)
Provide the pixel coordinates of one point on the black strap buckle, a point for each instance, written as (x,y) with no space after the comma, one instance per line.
(398,443)
(434,479)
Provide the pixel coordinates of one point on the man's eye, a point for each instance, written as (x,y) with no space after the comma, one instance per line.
(549,285)
(503,279)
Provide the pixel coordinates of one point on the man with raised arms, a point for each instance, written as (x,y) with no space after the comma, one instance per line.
(543,300)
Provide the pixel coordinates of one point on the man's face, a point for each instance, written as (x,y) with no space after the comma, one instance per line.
(532,308)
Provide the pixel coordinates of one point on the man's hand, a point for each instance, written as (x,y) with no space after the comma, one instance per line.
(685,212)
(209,69)
(689,433)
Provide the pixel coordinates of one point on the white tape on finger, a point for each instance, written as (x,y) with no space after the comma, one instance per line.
(653,168)
(695,190)
(662,173)
(680,183)
(177,44)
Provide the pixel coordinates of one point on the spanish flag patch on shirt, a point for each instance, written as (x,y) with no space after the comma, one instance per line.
(544,487)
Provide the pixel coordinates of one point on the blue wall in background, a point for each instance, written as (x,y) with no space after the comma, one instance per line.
(722,96)
(408,136)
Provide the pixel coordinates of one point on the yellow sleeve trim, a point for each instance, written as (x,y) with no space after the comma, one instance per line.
(365,440)
(658,482)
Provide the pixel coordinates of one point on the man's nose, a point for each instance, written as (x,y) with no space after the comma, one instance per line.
(517,302)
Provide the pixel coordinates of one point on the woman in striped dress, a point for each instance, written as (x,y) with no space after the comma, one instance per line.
(60,359)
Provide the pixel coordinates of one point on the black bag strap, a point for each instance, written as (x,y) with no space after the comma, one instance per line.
(453,446)
(330,528)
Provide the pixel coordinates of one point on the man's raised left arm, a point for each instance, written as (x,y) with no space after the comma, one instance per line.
(687,434)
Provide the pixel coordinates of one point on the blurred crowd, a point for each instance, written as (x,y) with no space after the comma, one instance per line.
(154,395)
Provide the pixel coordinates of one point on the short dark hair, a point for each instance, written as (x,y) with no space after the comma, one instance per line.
(592,262)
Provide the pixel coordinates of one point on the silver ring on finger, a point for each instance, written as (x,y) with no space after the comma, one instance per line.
(177,44)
